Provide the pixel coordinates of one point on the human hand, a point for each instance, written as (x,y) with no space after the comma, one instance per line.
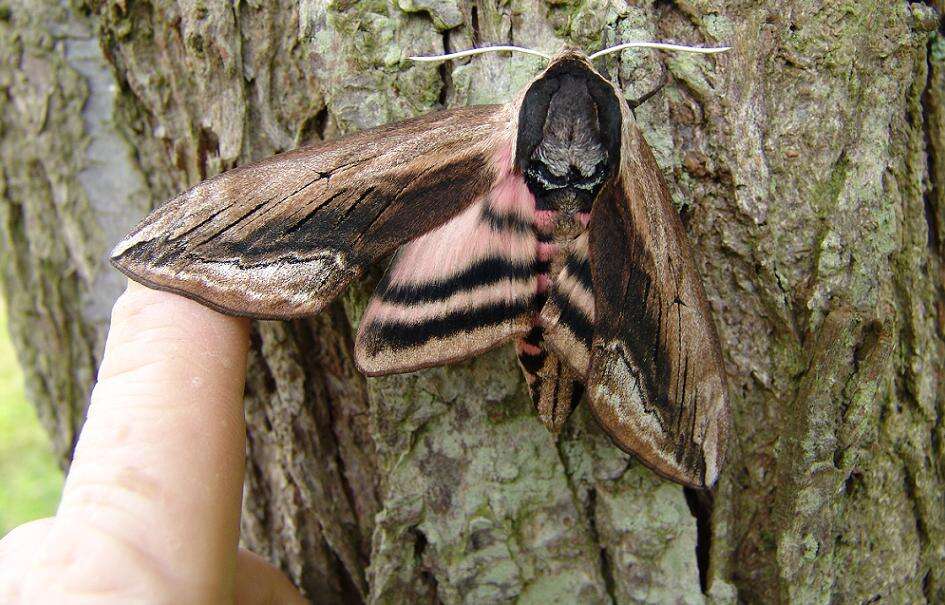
(150,509)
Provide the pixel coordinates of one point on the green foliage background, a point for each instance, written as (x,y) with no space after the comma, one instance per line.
(30,481)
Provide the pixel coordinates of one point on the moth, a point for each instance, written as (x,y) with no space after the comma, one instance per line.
(544,221)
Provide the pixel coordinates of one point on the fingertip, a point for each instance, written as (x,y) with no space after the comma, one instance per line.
(259,582)
(144,320)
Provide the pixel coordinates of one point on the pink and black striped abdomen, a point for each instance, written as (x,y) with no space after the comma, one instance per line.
(554,387)
(568,315)
(553,355)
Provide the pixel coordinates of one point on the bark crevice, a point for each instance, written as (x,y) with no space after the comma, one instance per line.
(605,564)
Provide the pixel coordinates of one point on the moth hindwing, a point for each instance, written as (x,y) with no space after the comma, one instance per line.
(545,221)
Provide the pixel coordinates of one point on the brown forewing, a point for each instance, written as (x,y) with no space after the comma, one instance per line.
(656,381)
(280,238)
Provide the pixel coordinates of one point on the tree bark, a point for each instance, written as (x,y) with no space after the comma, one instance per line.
(808,165)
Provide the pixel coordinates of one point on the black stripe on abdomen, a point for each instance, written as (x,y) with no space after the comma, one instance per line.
(580,269)
(573,318)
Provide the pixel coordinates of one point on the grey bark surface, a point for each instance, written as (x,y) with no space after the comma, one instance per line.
(808,165)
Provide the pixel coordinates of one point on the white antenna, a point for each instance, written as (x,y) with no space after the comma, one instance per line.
(688,49)
(479,51)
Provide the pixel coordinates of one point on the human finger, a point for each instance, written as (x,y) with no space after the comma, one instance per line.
(156,481)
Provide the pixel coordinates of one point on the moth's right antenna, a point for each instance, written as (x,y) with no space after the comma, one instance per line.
(479,51)
(662,46)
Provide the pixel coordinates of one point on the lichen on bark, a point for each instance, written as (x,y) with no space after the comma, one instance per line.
(808,165)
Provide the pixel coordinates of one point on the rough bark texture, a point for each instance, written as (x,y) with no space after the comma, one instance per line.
(809,165)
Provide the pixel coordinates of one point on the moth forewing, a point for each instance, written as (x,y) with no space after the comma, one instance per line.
(657,381)
(280,238)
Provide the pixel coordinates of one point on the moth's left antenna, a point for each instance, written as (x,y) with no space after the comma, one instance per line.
(479,51)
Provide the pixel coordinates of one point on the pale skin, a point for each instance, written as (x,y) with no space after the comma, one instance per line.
(151,506)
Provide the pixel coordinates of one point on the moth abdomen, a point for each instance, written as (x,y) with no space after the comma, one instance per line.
(554,388)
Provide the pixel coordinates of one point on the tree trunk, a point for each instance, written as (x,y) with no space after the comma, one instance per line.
(808,165)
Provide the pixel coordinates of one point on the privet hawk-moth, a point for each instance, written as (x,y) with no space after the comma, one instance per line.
(545,221)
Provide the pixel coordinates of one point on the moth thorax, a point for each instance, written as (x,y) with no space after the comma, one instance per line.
(565,137)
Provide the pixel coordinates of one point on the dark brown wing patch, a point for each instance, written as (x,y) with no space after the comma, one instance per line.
(656,381)
(282,237)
